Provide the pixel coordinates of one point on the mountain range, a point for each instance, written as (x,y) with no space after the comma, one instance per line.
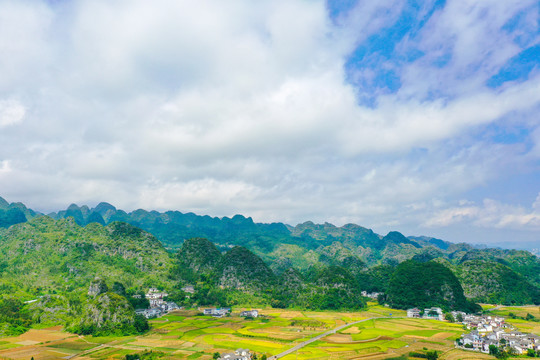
(276,252)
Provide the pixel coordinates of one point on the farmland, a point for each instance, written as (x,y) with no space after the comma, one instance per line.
(385,333)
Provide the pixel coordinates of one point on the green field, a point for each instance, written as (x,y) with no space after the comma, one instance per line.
(185,335)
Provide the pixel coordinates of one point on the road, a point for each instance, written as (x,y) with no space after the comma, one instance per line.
(318,337)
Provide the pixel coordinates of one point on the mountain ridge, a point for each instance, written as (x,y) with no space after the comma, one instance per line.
(311,248)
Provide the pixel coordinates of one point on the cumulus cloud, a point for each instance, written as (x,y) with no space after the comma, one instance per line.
(253,108)
(490,213)
(11,112)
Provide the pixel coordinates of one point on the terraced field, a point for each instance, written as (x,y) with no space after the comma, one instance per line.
(187,335)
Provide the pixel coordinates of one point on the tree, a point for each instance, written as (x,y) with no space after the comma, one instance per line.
(459,317)
(502,354)
(432,355)
(141,324)
(263,357)
(216,356)
(531,353)
(493,350)
(119,288)
(449,317)
(139,302)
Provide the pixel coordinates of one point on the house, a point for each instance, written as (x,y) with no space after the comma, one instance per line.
(250,313)
(486,344)
(498,332)
(155,297)
(413,313)
(519,349)
(485,328)
(433,313)
(217,312)
(535,339)
(239,354)
(456,314)
(152,313)
(473,339)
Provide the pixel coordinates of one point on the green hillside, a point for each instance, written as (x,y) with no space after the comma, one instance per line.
(495,283)
(425,285)
(48,256)
(309,248)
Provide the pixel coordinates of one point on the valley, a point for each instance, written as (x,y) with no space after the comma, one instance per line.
(383,333)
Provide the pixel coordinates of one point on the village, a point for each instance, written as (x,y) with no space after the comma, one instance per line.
(159,307)
(489,334)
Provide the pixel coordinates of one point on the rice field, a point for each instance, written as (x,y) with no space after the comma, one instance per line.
(187,335)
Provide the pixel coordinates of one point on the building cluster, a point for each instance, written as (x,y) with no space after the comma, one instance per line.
(492,330)
(158,306)
(482,323)
(238,354)
(515,341)
(429,313)
(219,312)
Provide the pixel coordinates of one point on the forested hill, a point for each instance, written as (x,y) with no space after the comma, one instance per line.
(310,247)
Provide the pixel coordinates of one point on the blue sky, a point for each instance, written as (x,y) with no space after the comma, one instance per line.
(416,116)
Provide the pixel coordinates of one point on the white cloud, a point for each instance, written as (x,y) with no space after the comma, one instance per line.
(11,112)
(491,214)
(243,107)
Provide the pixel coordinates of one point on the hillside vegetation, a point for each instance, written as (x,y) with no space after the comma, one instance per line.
(425,285)
(61,256)
(249,259)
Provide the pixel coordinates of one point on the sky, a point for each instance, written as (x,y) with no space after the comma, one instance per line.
(416,116)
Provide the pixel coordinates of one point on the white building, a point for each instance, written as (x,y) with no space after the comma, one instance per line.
(239,354)
(413,313)
(433,313)
(250,313)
